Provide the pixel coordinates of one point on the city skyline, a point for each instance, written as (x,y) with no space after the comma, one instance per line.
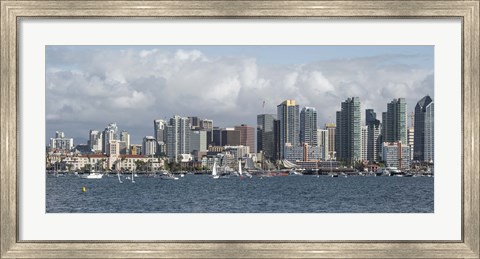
(87,87)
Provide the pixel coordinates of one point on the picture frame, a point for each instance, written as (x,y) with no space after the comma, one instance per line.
(13,11)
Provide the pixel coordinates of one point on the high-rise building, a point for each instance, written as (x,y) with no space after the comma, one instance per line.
(276,139)
(423,129)
(331,128)
(308,126)
(288,115)
(247,136)
(149,146)
(160,135)
(206,124)
(198,140)
(194,122)
(265,135)
(411,133)
(396,154)
(230,137)
(348,134)
(125,137)
(374,141)
(159,131)
(323,142)
(95,141)
(178,137)
(60,142)
(110,133)
(429,133)
(395,122)
(364,142)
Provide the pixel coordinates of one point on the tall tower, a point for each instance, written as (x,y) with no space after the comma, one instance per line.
(348,136)
(178,137)
(422,120)
(160,135)
(308,126)
(288,115)
(429,132)
(331,129)
(265,140)
(395,126)
(373,136)
(110,133)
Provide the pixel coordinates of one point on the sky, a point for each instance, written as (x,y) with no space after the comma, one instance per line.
(87,87)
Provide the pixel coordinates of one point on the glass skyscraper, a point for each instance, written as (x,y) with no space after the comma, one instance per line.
(308,126)
(288,115)
(423,130)
(348,142)
(395,121)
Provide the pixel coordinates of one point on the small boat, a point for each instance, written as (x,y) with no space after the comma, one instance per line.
(166,175)
(294,173)
(241,174)
(93,176)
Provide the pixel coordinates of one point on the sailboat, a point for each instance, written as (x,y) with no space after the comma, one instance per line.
(214,171)
(240,170)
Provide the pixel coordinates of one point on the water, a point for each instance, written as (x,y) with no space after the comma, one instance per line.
(201,193)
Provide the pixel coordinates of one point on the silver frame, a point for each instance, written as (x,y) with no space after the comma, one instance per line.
(468,247)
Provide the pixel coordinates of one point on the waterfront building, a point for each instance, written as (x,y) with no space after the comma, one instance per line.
(303,153)
(348,142)
(374,138)
(312,153)
(60,142)
(110,133)
(238,152)
(331,128)
(95,141)
(293,153)
(178,137)
(198,140)
(323,140)
(265,135)
(364,143)
(149,146)
(288,115)
(247,136)
(396,154)
(308,126)
(395,121)
(423,129)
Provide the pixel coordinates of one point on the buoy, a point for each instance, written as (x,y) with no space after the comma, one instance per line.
(84,189)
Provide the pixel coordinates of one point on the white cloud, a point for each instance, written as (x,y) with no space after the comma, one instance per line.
(134,87)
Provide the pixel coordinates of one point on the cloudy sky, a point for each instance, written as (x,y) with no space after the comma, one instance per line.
(89,86)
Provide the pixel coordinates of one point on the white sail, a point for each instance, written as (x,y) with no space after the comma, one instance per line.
(120,180)
(239,168)
(214,171)
(133,180)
